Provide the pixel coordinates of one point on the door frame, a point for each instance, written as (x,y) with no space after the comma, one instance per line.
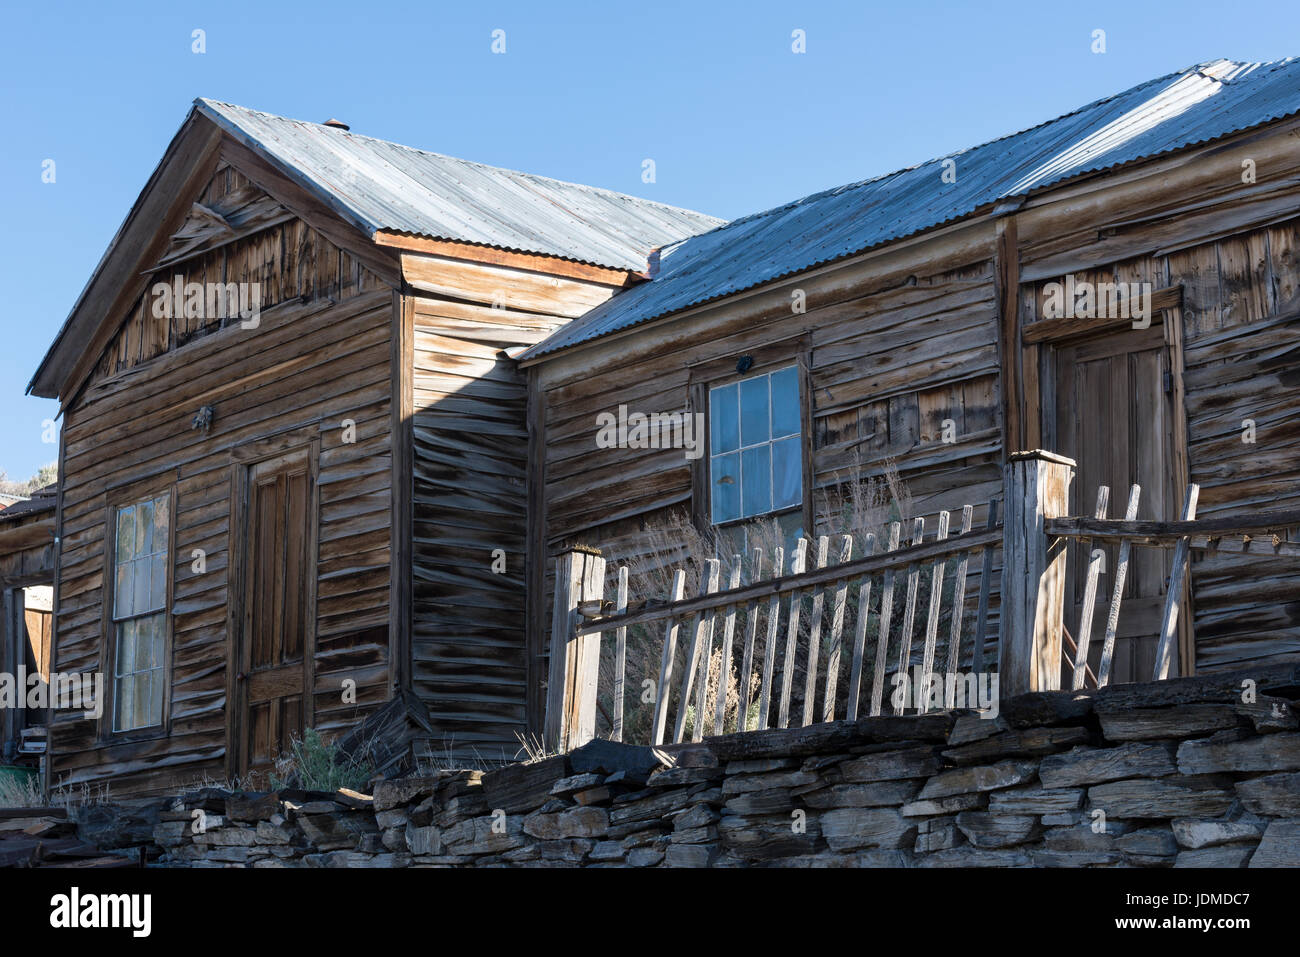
(242,460)
(1169,315)
(12,635)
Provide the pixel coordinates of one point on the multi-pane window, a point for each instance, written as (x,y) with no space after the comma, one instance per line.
(755,461)
(141,567)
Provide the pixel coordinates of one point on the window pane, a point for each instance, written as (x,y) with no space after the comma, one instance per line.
(787,473)
(726,487)
(125,533)
(122,591)
(126,642)
(140,703)
(124,695)
(155,698)
(756,480)
(158,581)
(144,528)
(160,518)
(144,659)
(754,411)
(159,636)
(785,402)
(140,591)
(724,423)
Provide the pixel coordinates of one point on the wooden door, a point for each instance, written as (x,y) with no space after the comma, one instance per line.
(275,617)
(1110,408)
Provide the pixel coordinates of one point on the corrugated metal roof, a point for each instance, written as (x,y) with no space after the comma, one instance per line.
(384,186)
(1198,104)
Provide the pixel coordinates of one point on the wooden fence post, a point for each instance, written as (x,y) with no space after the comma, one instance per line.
(575,660)
(1033,572)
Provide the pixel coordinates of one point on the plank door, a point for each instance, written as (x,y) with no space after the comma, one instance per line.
(275,617)
(1110,409)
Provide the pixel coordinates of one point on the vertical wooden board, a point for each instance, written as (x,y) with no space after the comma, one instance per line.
(836,427)
(860,634)
(881,665)
(1165,652)
(298,522)
(1284,264)
(728,636)
(873,428)
(1244,278)
(909,610)
(1197,271)
(979,404)
(1150,433)
(769,645)
(672,627)
(751,636)
(815,633)
(904,423)
(798,564)
(841,595)
(1108,650)
(932,618)
(1141,269)
(936,405)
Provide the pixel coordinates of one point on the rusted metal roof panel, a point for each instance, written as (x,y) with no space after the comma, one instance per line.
(383,186)
(1202,103)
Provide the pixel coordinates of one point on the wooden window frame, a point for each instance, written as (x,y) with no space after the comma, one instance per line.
(794,350)
(114,500)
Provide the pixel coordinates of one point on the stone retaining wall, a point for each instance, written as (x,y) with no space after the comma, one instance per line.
(1180,773)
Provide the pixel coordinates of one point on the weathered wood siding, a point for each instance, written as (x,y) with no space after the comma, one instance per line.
(320,355)
(27,551)
(470,495)
(1241,335)
(888,359)
(885,367)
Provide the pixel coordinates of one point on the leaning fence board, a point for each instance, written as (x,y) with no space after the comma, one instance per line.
(886,612)
(1177,585)
(1117,592)
(769,645)
(837,630)
(1095,559)
(666,666)
(751,634)
(703,620)
(815,635)
(860,635)
(922,694)
(958,608)
(728,631)
(620,654)
(792,637)
(909,612)
(982,609)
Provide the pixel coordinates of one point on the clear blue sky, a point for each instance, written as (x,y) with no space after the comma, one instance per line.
(711,91)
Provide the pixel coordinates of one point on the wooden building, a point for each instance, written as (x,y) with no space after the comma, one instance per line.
(909,318)
(351,489)
(294,450)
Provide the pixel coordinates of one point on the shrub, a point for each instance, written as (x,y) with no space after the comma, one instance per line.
(317,765)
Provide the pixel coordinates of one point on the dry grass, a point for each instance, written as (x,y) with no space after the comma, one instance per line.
(21,791)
